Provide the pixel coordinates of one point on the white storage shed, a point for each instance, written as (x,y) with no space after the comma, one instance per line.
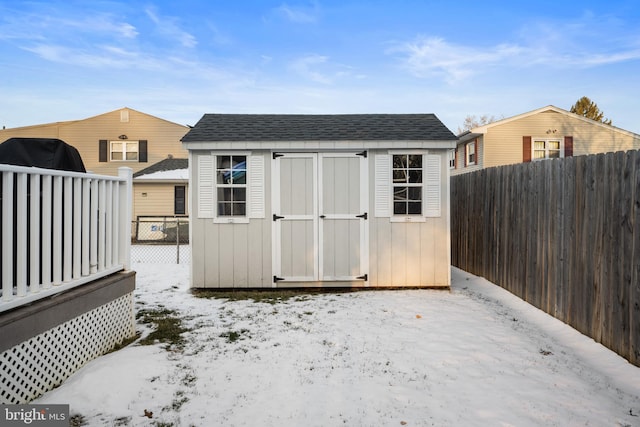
(356,200)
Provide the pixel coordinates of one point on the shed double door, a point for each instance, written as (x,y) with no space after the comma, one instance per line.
(319,205)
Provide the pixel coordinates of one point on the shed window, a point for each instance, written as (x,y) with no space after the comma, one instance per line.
(407,184)
(231,185)
(124,150)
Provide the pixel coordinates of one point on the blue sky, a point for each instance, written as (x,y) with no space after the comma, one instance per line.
(67,60)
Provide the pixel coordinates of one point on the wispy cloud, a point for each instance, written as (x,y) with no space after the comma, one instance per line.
(579,44)
(308,67)
(300,14)
(168,27)
(95,57)
(47,25)
(435,56)
(318,69)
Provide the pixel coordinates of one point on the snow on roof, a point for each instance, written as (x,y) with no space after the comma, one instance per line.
(175,174)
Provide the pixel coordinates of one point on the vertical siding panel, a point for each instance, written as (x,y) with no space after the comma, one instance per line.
(383,261)
(398,254)
(226,248)
(414,254)
(256,244)
(240,236)
(199,254)
(428,265)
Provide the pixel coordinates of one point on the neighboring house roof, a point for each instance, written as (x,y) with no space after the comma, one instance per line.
(70,122)
(317,127)
(475,132)
(167,169)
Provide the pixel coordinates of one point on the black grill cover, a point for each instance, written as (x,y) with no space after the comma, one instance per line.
(48,153)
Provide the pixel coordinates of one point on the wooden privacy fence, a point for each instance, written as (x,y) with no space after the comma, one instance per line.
(564,235)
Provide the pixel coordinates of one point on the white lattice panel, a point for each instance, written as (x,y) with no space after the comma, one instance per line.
(38,365)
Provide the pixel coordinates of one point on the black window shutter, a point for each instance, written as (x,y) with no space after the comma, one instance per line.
(142,151)
(103,150)
(179,200)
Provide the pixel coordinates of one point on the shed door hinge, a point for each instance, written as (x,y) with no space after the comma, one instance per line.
(276,155)
(277,217)
(277,279)
(364,277)
(363,216)
(362,153)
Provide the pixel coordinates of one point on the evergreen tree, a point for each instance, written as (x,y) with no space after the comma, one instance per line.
(589,109)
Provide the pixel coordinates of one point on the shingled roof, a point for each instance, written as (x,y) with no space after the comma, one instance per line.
(312,127)
(162,166)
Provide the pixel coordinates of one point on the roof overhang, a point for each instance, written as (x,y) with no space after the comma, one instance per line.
(142,180)
(320,145)
(468,136)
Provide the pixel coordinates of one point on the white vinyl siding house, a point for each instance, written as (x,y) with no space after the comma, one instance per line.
(309,204)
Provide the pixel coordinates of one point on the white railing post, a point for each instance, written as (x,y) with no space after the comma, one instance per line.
(108,249)
(47,197)
(34,236)
(21,235)
(86,224)
(125,202)
(93,238)
(115,244)
(77,227)
(7,236)
(57,230)
(67,211)
(102,223)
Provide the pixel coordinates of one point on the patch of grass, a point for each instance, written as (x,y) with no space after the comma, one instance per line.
(270,296)
(168,325)
(233,336)
(77,420)
(122,421)
(179,400)
(125,343)
(188,379)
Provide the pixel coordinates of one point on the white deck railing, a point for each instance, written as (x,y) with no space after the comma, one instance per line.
(61,230)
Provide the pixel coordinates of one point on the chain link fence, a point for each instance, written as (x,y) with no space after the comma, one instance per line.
(160,240)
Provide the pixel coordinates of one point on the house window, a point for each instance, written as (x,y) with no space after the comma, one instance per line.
(124,150)
(179,200)
(470,153)
(547,148)
(407,184)
(451,155)
(231,185)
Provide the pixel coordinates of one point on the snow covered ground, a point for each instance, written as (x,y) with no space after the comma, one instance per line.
(475,356)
